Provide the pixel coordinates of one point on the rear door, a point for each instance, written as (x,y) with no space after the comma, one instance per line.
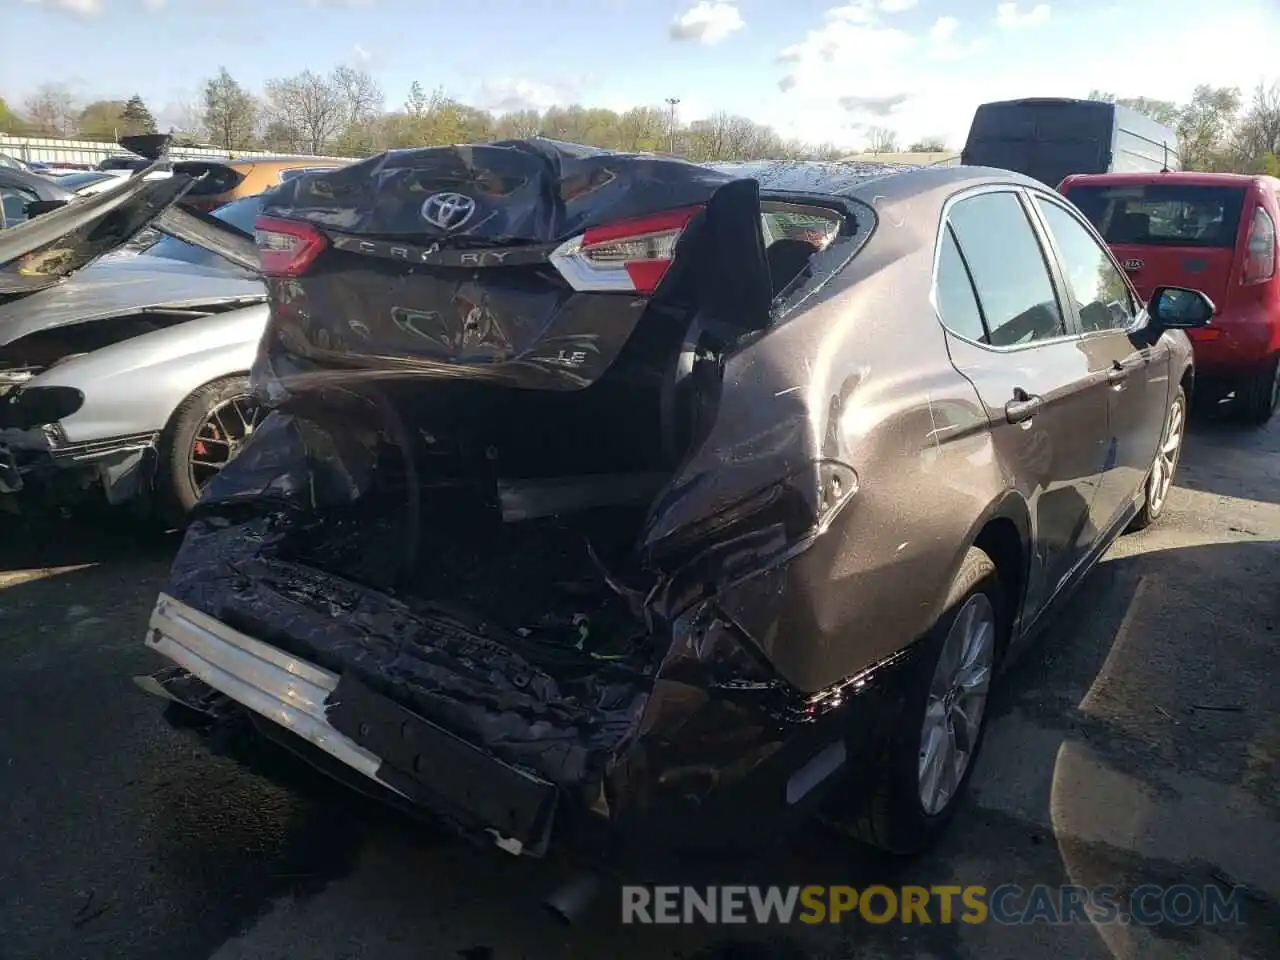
(1010,336)
(1129,370)
(1167,232)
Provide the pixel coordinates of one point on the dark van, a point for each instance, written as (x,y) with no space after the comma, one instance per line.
(1051,138)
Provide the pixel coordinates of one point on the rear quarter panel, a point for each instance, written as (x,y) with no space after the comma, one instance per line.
(861,376)
(134,386)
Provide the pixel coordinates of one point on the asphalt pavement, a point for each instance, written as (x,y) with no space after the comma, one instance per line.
(1138,742)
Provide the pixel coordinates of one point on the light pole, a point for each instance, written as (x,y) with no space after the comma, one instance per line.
(671,125)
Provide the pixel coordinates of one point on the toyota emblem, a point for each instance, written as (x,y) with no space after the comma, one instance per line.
(448,211)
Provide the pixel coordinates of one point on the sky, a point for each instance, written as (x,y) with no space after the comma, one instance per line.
(819,70)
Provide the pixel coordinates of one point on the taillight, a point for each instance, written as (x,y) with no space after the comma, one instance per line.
(287,247)
(630,256)
(1260,255)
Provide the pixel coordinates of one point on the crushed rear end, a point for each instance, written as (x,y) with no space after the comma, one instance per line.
(458,556)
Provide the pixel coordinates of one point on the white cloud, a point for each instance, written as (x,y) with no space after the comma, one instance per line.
(946,69)
(77,8)
(707,22)
(509,94)
(1010,17)
(897,6)
(362,56)
(155,5)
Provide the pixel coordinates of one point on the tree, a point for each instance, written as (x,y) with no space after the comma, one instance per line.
(101,120)
(518,124)
(643,129)
(1205,126)
(51,110)
(928,145)
(360,94)
(1257,138)
(137,118)
(881,140)
(1161,111)
(310,104)
(230,112)
(10,122)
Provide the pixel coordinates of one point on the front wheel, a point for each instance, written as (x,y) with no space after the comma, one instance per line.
(1155,493)
(204,434)
(932,756)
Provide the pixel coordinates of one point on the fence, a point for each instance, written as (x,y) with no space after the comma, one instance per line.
(93,152)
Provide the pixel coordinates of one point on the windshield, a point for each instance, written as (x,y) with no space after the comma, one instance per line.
(241,214)
(1162,214)
(75,181)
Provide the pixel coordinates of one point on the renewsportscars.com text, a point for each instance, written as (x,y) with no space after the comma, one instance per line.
(1009,904)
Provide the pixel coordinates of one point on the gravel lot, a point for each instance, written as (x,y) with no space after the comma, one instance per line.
(1138,742)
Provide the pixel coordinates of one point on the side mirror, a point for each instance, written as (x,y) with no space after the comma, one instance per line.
(1177,308)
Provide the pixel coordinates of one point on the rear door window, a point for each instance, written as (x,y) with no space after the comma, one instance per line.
(953,289)
(1009,270)
(1099,289)
(1162,214)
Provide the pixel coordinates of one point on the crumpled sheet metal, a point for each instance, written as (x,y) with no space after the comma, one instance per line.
(526,191)
(702,715)
(383,302)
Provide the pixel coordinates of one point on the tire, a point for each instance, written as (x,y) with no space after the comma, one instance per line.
(896,818)
(1165,466)
(1257,395)
(176,489)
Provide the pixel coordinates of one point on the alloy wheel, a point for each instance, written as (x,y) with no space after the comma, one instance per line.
(1166,461)
(224,431)
(957,702)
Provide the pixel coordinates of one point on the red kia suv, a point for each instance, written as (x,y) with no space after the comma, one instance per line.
(1214,232)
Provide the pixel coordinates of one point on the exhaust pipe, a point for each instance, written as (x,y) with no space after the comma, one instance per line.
(571,900)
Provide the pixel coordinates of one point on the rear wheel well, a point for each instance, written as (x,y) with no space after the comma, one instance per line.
(1002,542)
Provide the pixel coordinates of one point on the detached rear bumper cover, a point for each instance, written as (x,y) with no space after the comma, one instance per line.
(463,781)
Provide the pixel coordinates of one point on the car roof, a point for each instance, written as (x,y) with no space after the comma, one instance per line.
(1188,177)
(854,179)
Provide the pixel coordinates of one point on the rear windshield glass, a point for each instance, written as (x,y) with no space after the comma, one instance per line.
(215,178)
(1162,214)
(241,214)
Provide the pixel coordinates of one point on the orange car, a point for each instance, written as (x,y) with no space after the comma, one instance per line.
(226,180)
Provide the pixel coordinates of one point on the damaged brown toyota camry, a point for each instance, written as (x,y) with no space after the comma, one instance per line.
(633,506)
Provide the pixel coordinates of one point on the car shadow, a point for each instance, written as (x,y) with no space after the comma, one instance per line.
(101,536)
(1136,741)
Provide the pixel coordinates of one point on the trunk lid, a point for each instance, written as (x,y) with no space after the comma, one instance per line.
(524,263)
(1167,232)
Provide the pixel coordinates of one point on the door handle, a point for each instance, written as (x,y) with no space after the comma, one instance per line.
(1022,407)
(1117,375)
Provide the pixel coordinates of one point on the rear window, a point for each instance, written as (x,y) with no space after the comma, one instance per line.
(1162,214)
(215,178)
